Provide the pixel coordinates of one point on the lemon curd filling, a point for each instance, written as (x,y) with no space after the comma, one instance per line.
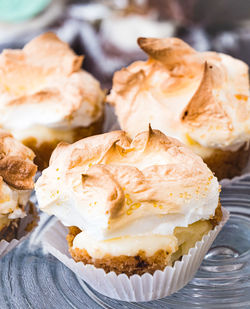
(179,243)
(44,133)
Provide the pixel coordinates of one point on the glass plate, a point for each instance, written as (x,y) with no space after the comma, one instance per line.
(29,278)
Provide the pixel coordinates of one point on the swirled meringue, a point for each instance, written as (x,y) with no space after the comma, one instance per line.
(201,98)
(16,177)
(110,186)
(43,86)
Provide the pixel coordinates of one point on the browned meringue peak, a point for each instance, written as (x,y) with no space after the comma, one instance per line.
(43,56)
(171,52)
(16,163)
(49,52)
(171,57)
(213,108)
(110,147)
(88,150)
(204,105)
(116,169)
(167,89)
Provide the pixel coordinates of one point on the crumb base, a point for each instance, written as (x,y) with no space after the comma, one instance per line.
(10,231)
(228,164)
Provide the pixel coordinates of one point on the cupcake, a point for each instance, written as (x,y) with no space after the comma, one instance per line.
(201,98)
(45,96)
(131,25)
(17,171)
(132,207)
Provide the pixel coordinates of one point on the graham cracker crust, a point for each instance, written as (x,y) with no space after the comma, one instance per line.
(228,164)
(10,231)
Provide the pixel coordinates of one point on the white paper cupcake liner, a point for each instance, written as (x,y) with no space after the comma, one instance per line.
(22,234)
(135,288)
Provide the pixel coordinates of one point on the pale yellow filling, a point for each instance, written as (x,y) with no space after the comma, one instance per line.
(203,152)
(177,244)
(43,133)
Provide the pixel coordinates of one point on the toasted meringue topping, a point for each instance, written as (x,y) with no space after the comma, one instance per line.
(43,84)
(110,186)
(16,176)
(201,97)
(16,163)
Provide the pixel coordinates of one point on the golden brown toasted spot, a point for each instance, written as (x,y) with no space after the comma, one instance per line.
(170,51)
(16,165)
(228,164)
(204,105)
(17,172)
(99,176)
(241,97)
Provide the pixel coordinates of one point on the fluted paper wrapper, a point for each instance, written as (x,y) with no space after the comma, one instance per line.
(26,225)
(135,288)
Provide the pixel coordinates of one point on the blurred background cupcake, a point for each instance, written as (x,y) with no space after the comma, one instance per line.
(45,96)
